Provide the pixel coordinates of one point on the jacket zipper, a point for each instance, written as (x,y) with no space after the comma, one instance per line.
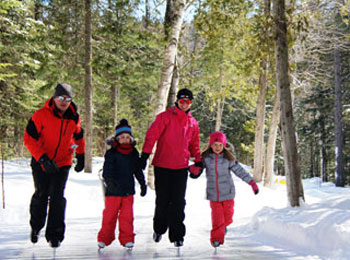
(217,177)
(59,141)
(65,129)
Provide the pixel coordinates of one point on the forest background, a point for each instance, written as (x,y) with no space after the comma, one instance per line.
(225,54)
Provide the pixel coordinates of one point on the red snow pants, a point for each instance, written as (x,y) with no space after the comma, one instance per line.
(121,209)
(221,217)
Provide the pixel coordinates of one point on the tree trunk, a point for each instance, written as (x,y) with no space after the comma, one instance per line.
(260,122)
(169,56)
(18,133)
(339,161)
(2,176)
(323,151)
(312,155)
(259,148)
(115,104)
(173,87)
(175,12)
(271,145)
(220,101)
(289,144)
(147,14)
(88,89)
(219,111)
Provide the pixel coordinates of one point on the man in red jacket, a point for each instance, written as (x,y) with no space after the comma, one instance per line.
(51,136)
(177,135)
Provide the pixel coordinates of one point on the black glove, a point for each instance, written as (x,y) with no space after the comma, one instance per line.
(49,165)
(143,161)
(80,162)
(143,190)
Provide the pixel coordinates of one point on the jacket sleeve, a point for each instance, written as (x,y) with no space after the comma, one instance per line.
(239,171)
(32,134)
(153,133)
(108,166)
(79,138)
(140,177)
(194,145)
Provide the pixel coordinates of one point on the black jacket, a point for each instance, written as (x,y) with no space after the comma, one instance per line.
(118,173)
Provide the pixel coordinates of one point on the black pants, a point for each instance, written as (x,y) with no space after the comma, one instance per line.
(170,202)
(48,199)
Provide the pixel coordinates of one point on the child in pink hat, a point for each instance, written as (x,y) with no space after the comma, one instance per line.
(219,162)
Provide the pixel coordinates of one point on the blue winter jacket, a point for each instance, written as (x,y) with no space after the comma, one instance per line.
(118,173)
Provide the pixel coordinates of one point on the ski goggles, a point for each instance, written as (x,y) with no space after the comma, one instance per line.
(183,101)
(62,98)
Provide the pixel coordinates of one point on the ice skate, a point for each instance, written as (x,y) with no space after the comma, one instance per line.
(157,237)
(34,236)
(129,245)
(101,245)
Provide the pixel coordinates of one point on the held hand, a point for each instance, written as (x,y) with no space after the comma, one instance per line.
(49,165)
(80,162)
(199,164)
(195,171)
(254,187)
(143,190)
(142,162)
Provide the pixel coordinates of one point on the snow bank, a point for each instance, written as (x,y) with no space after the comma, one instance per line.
(321,228)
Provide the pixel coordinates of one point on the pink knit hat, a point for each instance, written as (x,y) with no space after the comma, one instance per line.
(217,136)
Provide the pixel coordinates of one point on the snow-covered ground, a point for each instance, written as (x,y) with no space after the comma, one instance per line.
(264,226)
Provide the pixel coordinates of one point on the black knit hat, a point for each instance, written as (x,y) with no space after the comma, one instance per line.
(63,89)
(122,127)
(184,93)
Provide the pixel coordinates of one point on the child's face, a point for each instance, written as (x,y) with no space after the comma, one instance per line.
(217,147)
(124,138)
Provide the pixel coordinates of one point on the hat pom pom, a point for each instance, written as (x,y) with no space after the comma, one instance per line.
(123,122)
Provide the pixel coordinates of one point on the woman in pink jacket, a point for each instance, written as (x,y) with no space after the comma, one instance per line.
(177,135)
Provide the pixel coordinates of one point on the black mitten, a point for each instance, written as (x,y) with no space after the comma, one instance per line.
(80,162)
(143,190)
(49,165)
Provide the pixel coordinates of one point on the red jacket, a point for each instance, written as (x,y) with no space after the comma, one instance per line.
(56,135)
(177,136)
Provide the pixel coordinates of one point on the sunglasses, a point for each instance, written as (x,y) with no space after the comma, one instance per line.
(183,101)
(61,98)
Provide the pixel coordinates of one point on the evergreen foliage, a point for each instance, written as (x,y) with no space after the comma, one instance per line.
(42,43)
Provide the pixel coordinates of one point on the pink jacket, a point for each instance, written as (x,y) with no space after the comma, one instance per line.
(177,136)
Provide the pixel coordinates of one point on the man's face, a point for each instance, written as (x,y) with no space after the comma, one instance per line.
(62,102)
(184,104)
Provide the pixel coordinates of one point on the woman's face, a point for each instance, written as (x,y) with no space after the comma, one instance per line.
(217,147)
(184,104)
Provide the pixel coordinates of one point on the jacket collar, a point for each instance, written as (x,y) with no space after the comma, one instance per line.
(71,112)
(213,155)
(177,111)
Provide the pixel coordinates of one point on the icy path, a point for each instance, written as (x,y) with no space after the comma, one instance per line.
(80,243)
(83,218)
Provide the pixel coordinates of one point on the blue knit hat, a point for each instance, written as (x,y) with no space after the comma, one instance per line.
(122,127)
